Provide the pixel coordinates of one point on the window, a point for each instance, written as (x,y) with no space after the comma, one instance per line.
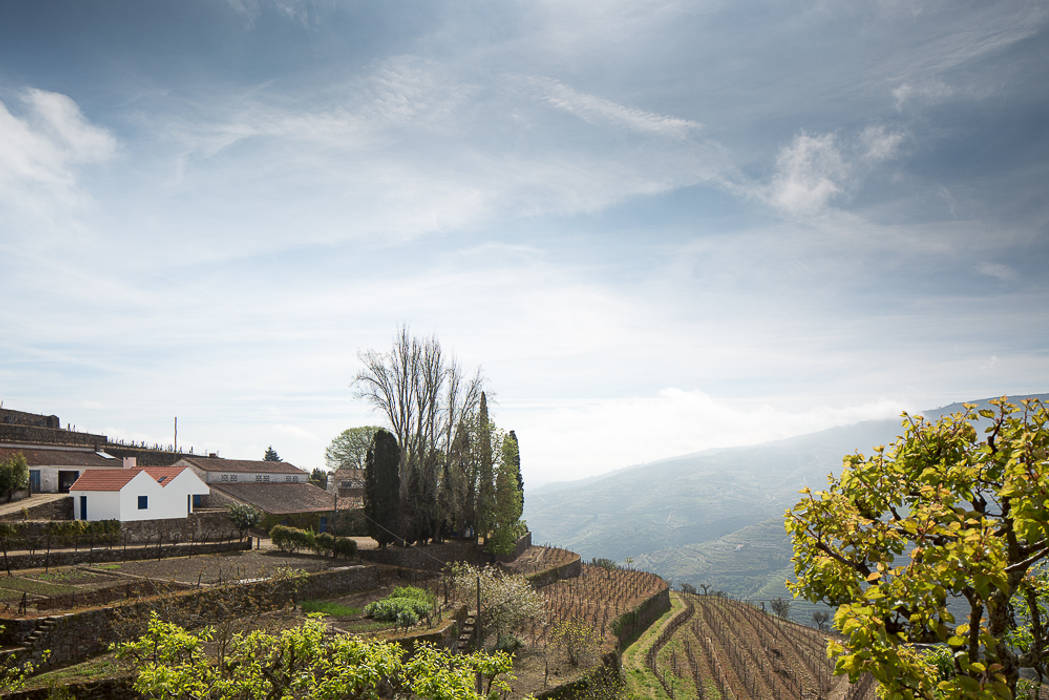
(265,477)
(143,502)
(289,477)
(258,477)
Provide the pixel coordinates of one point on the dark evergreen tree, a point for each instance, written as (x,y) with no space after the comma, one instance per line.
(382,488)
(485,471)
(271,455)
(517,461)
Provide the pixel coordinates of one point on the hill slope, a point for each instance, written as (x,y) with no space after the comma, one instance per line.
(713,517)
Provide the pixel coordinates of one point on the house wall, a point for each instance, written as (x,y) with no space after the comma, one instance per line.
(163,503)
(101,505)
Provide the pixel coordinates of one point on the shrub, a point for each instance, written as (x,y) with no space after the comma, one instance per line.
(344,547)
(405,605)
(323,543)
(292,539)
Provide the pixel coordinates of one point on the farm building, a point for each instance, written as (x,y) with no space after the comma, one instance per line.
(150,493)
(349,483)
(53,469)
(216,470)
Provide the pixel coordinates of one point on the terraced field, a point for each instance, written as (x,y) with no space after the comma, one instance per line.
(713,647)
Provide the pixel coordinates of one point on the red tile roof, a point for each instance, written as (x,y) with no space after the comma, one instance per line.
(218,464)
(116,479)
(281,498)
(37,457)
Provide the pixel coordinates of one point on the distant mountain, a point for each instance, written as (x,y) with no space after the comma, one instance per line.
(713,517)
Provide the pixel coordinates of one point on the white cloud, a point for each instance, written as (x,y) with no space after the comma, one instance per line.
(597,110)
(809,173)
(41,150)
(998,271)
(930,91)
(880,143)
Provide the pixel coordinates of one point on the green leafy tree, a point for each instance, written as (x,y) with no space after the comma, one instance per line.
(319,478)
(943,514)
(303,662)
(14,474)
(349,449)
(271,455)
(244,517)
(507,524)
(382,488)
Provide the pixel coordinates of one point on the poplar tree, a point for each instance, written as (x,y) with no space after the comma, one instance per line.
(382,487)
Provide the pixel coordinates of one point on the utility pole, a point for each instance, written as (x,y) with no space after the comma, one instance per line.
(176,433)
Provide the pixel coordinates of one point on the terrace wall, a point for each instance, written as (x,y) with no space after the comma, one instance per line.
(77,636)
(433,557)
(68,557)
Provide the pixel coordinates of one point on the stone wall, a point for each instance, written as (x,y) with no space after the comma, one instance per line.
(60,509)
(629,626)
(12,417)
(35,435)
(209,526)
(77,636)
(429,557)
(433,557)
(570,569)
(68,557)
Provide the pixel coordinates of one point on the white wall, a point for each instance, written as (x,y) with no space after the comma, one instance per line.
(101,505)
(171,501)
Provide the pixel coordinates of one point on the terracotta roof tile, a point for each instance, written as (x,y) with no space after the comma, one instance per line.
(116,479)
(37,457)
(280,498)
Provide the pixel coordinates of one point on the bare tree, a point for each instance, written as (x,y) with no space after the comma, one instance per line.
(425,397)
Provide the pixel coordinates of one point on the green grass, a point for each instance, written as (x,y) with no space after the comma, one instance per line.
(92,669)
(329,607)
(28,585)
(640,682)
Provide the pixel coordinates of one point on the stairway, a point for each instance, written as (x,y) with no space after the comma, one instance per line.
(466,635)
(42,628)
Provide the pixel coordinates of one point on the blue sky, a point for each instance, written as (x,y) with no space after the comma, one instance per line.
(658,227)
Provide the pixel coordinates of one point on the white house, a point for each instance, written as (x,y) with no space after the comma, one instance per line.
(216,470)
(149,493)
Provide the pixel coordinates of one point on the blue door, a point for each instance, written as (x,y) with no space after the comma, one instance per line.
(83,507)
(34,480)
(324,524)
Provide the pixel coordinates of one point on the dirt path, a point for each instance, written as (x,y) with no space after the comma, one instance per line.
(35,500)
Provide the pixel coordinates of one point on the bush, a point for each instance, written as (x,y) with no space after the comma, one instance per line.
(292,539)
(323,543)
(344,547)
(405,605)
(508,643)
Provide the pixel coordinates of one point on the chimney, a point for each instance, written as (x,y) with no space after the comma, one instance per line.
(130,462)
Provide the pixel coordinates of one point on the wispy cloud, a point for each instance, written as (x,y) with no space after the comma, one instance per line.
(598,110)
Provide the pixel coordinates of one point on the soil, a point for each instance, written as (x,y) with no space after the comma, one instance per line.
(224,567)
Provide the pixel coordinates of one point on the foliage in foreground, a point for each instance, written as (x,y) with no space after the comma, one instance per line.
(305,662)
(941,514)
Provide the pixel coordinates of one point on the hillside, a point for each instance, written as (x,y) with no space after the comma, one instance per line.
(712,517)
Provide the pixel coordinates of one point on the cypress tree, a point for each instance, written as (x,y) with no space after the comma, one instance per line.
(382,488)
(517,466)
(508,502)
(485,476)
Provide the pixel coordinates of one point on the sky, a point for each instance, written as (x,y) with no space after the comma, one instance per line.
(656,227)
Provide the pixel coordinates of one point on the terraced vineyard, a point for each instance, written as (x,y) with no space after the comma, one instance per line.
(598,596)
(721,648)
